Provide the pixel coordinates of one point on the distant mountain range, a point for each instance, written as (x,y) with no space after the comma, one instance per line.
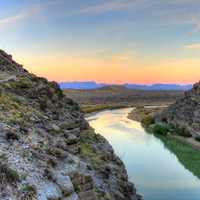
(159,87)
(81,85)
(93,85)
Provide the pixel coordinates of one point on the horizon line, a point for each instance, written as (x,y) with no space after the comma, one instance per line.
(114,83)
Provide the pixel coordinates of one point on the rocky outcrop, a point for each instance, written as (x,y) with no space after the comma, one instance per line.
(185,113)
(47,149)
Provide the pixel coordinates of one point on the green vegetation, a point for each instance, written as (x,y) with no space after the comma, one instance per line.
(185,153)
(57,152)
(147,121)
(77,187)
(12,111)
(88,139)
(29,191)
(160,129)
(88,151)
(197,138)
(20,83)
(182,132)
(151,126)
(8,174)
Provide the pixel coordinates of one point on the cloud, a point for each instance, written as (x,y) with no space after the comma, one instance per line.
(108,6)
(192,46)
(195,21)
(21,16)
(29,12)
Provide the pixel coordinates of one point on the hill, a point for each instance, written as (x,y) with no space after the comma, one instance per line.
(160,87)
(48,151)
(120,95)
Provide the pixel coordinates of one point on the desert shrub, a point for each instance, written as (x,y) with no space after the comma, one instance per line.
(87,151)
(29,191)
(43,104)
(147,121)
(182,132)
(52,162)
(58,153)
(54,87)
(21,83)
(11,135)
(160,129)
(8,174)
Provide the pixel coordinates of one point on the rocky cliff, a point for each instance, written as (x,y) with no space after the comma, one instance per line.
(47,149)
(184,115)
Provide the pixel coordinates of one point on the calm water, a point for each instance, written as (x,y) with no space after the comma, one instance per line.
(156,172)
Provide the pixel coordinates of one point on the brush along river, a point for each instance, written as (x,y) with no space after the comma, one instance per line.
(161,168)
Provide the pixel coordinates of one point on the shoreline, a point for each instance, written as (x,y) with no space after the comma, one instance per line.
(186,154)
(138,196)
(138,114)
(90,109)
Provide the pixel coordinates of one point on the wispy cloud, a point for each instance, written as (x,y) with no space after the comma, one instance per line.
(109,5)
(29,12)
(22,15)
(192,46)
(195,21)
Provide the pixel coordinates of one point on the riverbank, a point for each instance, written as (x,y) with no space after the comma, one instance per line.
(91,108)
(186,151)
(145,115)
(136,114)
(141,112)
(180,162)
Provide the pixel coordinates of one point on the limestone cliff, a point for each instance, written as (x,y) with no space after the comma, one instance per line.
(47,149)
(184,115)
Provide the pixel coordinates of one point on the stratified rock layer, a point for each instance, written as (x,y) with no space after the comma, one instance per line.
(47,149)
(185,113)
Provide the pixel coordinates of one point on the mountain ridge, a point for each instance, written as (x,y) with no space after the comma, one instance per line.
(154,87)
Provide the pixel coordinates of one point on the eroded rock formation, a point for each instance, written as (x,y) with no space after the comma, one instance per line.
(47,149)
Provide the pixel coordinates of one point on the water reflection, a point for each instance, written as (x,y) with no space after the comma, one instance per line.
(157,172)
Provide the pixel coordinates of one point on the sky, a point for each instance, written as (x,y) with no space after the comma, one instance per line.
(110,41)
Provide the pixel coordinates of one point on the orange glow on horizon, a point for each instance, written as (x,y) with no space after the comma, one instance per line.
(116,69)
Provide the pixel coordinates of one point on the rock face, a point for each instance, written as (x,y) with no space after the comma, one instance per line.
(185,113)
(47,149)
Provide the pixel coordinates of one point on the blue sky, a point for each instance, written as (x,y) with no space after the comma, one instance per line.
(60,38)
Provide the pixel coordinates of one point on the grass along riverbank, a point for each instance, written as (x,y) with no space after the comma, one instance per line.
(185,153)
(146,115)
(179,142)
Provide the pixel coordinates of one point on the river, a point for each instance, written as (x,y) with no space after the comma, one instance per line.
(155,170)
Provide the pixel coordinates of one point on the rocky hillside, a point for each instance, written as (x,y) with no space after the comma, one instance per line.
(185,113)
(47,149)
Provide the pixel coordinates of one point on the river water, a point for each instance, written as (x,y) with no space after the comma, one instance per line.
(156,172)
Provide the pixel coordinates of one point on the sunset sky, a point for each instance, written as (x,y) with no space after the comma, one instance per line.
(112,41)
